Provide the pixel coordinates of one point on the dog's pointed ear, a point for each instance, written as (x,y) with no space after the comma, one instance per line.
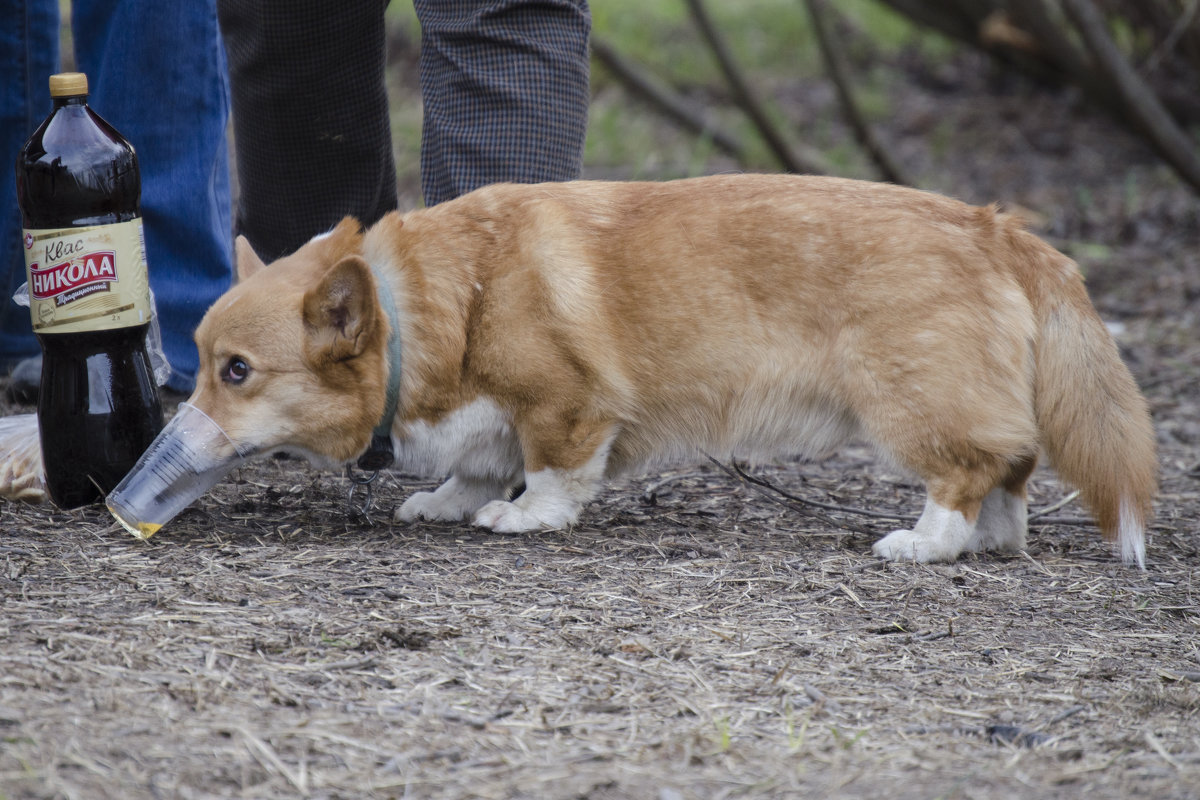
(247,260)
(341,311)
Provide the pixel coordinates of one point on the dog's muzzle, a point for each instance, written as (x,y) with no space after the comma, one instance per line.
(184,461)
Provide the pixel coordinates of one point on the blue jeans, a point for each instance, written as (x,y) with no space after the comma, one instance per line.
(156,71)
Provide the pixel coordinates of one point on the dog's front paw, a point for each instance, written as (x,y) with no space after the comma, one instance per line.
(427,505)
(525,514)
(904,545)
(504,517)
(455,500)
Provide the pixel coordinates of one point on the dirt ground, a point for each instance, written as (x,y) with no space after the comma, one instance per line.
(693,637)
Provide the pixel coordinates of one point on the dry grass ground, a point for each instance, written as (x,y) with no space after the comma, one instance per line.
(691,638)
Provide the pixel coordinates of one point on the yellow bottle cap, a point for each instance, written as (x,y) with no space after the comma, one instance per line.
(68,84)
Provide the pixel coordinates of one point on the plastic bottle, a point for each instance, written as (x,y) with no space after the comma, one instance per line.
(79,191)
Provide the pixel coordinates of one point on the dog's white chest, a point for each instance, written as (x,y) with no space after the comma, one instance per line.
(475,439)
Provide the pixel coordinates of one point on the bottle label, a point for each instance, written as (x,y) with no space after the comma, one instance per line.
(87,279)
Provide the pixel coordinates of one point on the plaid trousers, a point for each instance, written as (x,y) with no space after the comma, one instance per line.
(504,87)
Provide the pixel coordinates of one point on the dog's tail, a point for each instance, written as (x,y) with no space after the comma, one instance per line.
(1094,421)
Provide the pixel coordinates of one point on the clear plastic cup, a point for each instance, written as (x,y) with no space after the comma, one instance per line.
(185,460)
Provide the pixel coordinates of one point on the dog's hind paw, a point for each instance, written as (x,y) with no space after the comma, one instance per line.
(906,545)
(1002,523)
(939,535)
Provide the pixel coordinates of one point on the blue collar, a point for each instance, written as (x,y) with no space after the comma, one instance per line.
(380,454)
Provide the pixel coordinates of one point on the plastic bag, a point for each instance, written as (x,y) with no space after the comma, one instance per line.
(21,476)
(158,359)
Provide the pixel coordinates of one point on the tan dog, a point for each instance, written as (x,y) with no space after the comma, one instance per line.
(559,334)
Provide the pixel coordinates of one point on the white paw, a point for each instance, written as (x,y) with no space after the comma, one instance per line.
(425,505)
(939,535)
(906,545)
(502,516)
(455,500)
(1002,524)
(998,540)
(552,499)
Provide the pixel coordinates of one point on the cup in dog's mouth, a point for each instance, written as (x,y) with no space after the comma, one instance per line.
(189,456)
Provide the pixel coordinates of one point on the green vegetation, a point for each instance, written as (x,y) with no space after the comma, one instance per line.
(773,43)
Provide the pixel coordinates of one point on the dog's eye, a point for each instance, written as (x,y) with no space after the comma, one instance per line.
(236,370)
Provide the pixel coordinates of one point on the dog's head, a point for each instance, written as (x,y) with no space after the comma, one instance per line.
(294,357)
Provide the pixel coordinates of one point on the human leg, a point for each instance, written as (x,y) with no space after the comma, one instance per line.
(28,56)
(505,91)
(311,125)
(157,73)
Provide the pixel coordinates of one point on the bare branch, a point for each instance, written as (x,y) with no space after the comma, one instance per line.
(800,504)
(664,99)
(1181,26)
(940,17)
(748,101)
(1175,146)
(1056,46)
(839,73)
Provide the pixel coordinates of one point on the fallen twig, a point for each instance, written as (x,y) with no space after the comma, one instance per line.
(804,506)
(265,755)
(775,493)
(1157,746)
(1050,509)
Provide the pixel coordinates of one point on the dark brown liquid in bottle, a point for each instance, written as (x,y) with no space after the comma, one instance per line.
(98,408)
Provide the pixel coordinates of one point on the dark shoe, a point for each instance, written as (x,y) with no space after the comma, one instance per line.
(25,381)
